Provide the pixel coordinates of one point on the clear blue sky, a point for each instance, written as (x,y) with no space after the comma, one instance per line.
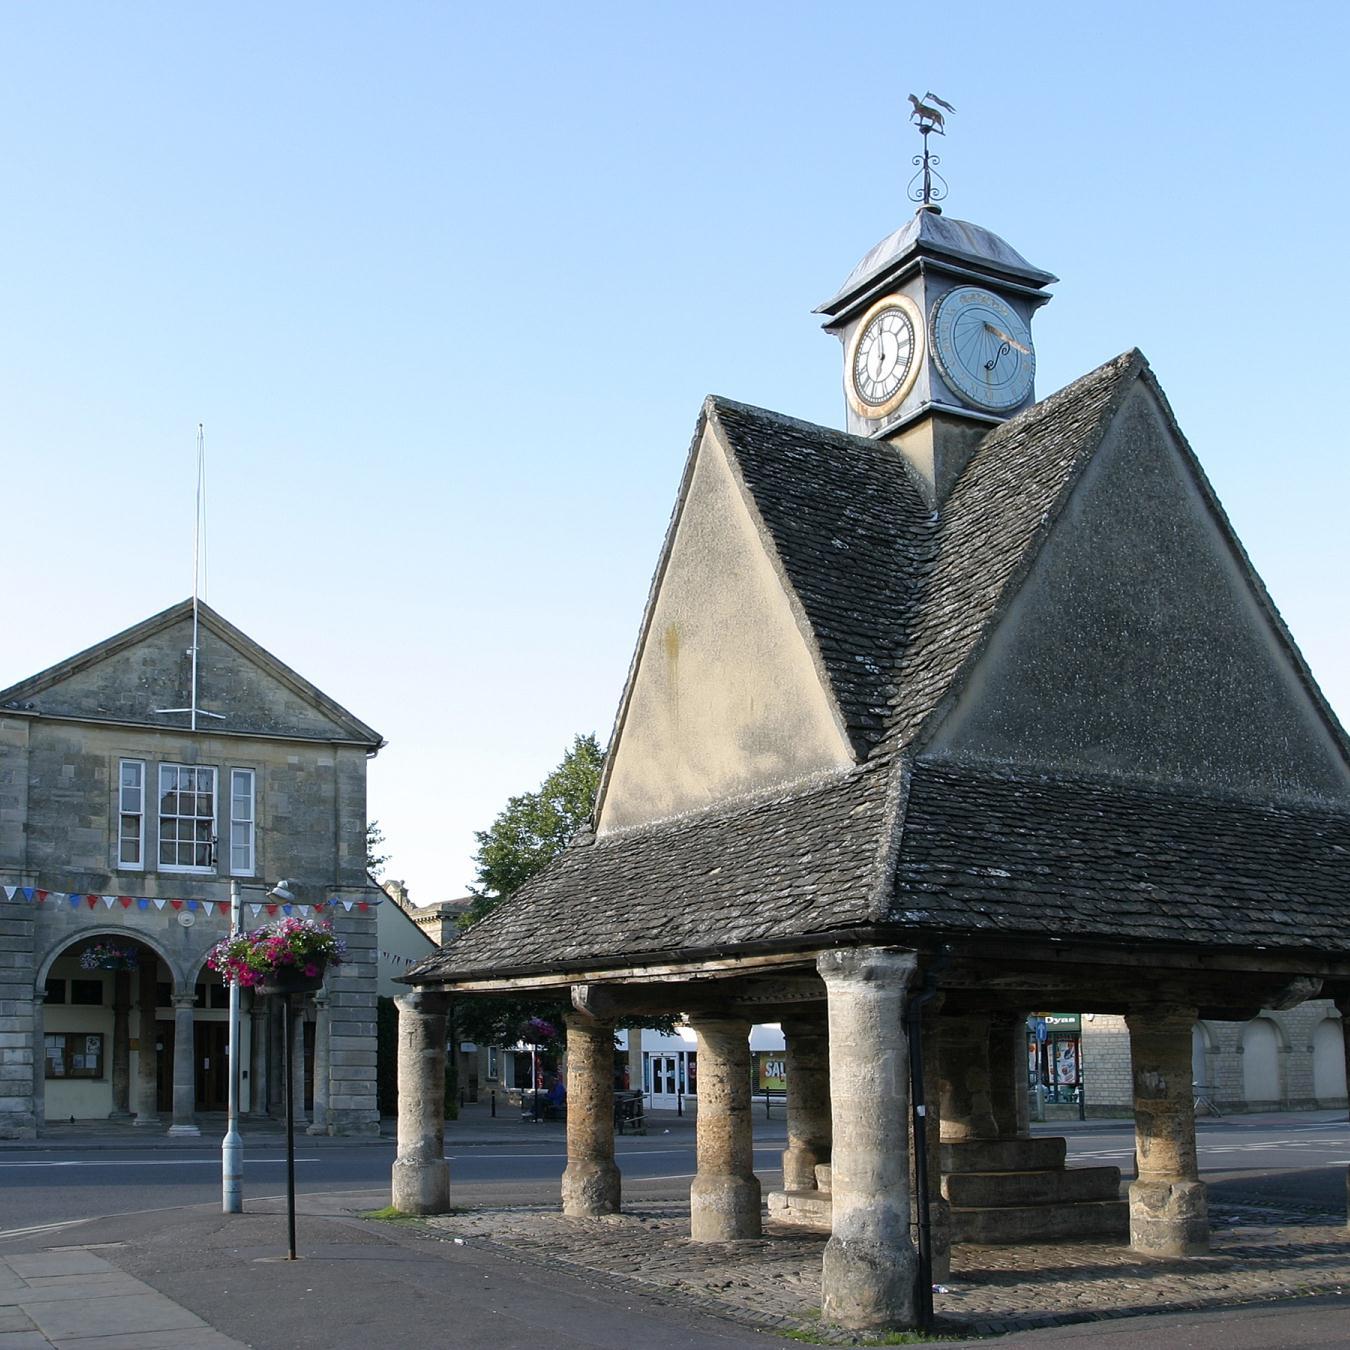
(447,285)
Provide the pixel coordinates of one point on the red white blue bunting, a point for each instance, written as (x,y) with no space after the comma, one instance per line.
(35,895)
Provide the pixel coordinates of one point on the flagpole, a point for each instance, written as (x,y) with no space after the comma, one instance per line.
(232,1146)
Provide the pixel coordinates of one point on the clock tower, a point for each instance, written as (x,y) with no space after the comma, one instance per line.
(935,324)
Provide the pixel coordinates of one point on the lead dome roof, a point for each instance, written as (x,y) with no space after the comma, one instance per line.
(930,233)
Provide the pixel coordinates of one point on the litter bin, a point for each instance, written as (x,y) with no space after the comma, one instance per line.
(630,1111)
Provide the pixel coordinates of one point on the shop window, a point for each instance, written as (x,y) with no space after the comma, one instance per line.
(74,1054)
(87,992)
(56,991)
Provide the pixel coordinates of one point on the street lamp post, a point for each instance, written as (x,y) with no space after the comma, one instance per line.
(232,1146)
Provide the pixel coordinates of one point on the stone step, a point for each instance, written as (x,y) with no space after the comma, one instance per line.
(1041,1154)
(1041,1223)
(1060,1186)
(810,1209)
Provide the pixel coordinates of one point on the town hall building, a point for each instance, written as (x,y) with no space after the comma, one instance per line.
(140,781)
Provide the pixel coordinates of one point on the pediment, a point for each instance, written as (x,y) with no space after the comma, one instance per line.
(143,677)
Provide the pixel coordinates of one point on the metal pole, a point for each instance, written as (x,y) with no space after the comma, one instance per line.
(290,1135)
(232,1146)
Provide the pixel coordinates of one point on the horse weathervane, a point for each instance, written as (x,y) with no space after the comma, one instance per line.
(927,186)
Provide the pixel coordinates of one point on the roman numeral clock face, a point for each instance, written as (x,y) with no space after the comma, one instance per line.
(884,357)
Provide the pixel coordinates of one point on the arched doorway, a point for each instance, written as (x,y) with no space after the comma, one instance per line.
(1329,1061)
(1261,1063)
(102,1028)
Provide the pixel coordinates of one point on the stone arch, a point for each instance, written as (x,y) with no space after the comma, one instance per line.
(1261,1046)
(1203,1044)
(67,940)
(1328,1048)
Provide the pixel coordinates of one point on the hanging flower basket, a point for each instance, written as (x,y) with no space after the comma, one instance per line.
(285,957)
(538,1032)
(108,956)
(293,979)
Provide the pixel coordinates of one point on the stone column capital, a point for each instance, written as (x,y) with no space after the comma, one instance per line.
(582,1023)
(718,1029)
(423,1003)
(867,965)
(184,1001)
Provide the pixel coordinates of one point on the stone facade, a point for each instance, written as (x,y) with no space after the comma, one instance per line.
(122,824)
(1282,1060)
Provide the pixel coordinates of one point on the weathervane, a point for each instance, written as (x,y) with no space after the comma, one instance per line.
(927,186)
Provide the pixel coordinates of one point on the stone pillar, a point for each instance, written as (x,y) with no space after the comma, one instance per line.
(320,1117)
(1008,1074)
(421,1176)
(725,1197)
(298,1057)
(939,1211)
(1343,1007)
(867,1278)
(590,1183)
(259,1027)
(1168,1212)
(184,1065)
(808,1099)
(39,1061)
(964,1097)
(121,1046)
(147,1070)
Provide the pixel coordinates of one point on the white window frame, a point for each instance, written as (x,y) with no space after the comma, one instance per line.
(122,812)
(215,818)
(244,832)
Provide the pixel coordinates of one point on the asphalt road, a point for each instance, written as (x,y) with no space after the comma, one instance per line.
(1243,1160)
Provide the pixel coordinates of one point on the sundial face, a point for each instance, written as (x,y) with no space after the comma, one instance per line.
(883,356)
(983,348)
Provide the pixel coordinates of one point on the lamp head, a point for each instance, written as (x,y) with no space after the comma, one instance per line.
(283,891)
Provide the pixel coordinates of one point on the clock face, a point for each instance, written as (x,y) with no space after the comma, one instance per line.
(983,348)
(883,358)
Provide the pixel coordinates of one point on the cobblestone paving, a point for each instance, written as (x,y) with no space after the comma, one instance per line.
(1258,1254)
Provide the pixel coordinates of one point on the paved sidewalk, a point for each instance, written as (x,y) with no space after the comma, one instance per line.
(76,1300)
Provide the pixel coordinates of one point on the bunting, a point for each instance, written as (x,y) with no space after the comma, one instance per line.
(219,908)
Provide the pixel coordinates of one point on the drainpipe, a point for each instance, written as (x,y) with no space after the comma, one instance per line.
(923,1302)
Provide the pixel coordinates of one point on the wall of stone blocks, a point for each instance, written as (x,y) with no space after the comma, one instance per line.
(1302,1085)
(17,1051)
(352,1103)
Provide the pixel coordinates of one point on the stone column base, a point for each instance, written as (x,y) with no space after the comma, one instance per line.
(722,1209)
(590,1188)
(1169,1218)
(181,1130)
(421,1187)
(866,1284)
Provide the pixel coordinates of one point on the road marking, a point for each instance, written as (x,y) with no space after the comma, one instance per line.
(40,1228)
(150,1162)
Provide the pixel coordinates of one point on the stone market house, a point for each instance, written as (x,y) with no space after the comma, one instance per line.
(121,832)
(973,708)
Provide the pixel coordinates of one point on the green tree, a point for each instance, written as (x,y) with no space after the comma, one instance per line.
(533,828)
(528,833)
(375,860)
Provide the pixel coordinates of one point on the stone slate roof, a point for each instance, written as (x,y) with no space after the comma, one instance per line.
(1001,855)
(898,601)
(778,867)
